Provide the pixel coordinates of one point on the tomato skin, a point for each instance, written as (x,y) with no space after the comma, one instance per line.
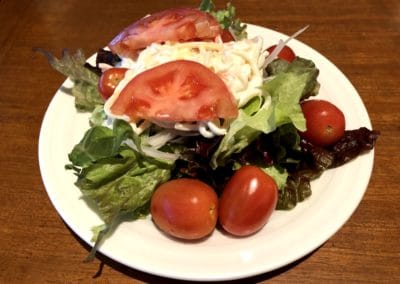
(247,201)
(109,80)
(325,122)
(286,53)
(176,25)
(185,208)
(227,36)
(180,90)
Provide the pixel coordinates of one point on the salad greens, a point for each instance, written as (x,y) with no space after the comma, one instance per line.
(226,18)
(298,66)
(118,177)
(74,66)
(279,105)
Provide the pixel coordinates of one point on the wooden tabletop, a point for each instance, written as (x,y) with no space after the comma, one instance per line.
(361,38)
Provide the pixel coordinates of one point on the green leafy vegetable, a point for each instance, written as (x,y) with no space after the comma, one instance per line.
(100,142)
(280,175)
(286,90)
(226,18)
(98,116)
(116,178)
(85,91)
(298,66)
(279,105)
(253,119)
(121,184)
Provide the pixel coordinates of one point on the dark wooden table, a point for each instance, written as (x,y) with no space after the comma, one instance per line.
(361,37)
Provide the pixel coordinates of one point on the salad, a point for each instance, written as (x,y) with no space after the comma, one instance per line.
(185,107)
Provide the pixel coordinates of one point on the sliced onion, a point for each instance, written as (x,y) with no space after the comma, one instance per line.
(281,44)
(158,140)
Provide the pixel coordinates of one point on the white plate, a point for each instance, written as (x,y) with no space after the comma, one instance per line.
(287,237)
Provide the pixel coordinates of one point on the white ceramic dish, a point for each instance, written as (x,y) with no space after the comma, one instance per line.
(288,236)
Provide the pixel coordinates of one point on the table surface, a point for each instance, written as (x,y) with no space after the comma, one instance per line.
(361,38)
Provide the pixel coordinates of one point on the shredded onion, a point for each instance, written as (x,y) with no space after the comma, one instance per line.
(281,44)
(158,140)
(152,152)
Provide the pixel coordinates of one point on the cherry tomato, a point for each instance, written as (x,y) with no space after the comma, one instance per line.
(109,80)
(185,208)
(325,122)
(286,53)
(227,36)
(177,25)
(180,90)
(247,201)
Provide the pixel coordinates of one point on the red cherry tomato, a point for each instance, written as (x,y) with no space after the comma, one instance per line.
(185,208)
(109,80)
(286,53)
(325,122)
(247,201)
(177,25)
(180,90)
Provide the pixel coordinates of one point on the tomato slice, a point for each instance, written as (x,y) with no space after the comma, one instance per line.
(177,25)
(180,90)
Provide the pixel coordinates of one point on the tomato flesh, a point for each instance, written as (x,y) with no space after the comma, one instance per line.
(176,91)
(286,53)
(176,25)
(109,80)
(227,36)
(247,201)
(185,208)
(324,121)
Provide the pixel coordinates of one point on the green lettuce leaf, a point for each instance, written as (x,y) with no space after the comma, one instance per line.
(117,179)
(279,105)
(286,90)
(280,175)
(122,184)
(85,91)
(226,18)
(253,119)
(298,66)
(98,116)
(100,142)
(87,96)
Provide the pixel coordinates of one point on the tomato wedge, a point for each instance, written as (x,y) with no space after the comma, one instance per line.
(177,25)
(180,90)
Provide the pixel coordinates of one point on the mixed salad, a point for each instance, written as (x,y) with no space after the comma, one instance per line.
(195,123)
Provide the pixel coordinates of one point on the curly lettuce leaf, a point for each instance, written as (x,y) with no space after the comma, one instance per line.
(253,119)
(116,178)
(122,184)
(280,175)
(286,90)
(100,142)
(226,18)
(279,105)
(298,66)
(85,91)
